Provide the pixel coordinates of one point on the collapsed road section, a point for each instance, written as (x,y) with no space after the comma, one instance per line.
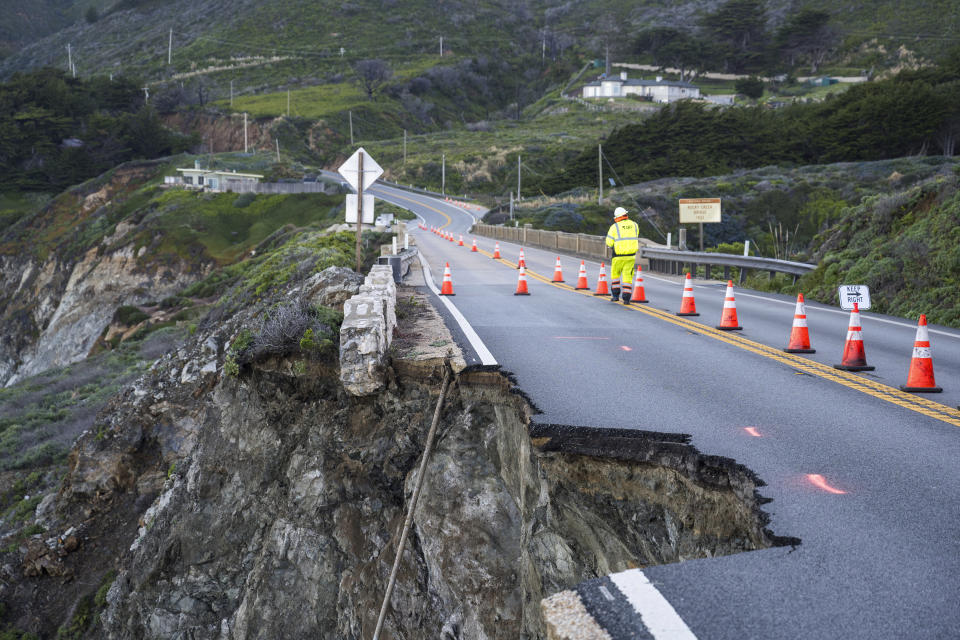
(258,498)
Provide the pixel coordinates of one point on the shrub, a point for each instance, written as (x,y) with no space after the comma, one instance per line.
(244,200)
(128,316)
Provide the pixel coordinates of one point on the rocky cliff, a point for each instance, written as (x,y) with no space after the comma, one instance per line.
(236,491)
(64,272)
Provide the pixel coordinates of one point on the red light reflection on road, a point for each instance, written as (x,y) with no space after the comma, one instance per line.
(752,431)
(625,348)
(820,482)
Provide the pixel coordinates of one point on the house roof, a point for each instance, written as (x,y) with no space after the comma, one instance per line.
(643,83)
(221,172)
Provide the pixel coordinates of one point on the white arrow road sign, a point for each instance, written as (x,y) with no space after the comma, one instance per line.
(850,293)
(350,170)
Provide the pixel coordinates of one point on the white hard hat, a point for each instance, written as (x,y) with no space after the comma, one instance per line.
(619,211)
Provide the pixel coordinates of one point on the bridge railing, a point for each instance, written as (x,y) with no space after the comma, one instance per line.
(579,244)
(660,259)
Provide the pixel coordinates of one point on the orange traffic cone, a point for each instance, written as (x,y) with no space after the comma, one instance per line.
(688,306)
(496,251)
(854,357)
(452,239)
(602,288)
(521,262)
(728,320)
(639,295)
(474,249)
(582,277)
(920,377)
(557,272)
(799,335)
(522,283)
(461,240)
(447,288)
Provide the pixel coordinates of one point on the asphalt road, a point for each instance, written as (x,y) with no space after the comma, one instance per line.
(879,560)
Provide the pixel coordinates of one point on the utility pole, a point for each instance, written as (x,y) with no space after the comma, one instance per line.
(511,205)
(443,174)
(146,94)
(244,131)
(231,93)
(278,150)
(518,178)
(441,46)
(404,146)
(600,173)
(359,209)
(350,114)
(543,50)
(170,48)
(70,61)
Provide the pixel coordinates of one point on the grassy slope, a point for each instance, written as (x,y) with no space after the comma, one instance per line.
(199,227)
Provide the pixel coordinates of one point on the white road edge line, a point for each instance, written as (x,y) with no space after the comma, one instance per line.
(485,356)
(661,619)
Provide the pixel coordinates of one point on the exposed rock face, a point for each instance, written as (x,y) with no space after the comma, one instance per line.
(53,308)
(284,522)
(97,285)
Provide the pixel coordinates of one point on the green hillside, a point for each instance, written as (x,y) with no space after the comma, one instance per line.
(905,246)
(499,51)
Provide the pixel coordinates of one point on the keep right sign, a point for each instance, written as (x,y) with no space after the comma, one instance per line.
(850,293)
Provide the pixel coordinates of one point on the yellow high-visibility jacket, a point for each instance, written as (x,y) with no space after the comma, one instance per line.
(623,236)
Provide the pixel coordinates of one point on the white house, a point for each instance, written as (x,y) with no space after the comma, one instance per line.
(213,180)
(658,90)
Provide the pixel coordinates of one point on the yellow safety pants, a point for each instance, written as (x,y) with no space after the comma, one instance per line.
(621,273)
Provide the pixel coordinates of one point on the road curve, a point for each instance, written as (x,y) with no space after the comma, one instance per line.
(863,474)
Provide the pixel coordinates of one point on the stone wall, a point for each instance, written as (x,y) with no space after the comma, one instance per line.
(369,319)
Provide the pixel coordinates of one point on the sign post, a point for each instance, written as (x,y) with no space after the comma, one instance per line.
(854,293)
(360,171)
(699,210)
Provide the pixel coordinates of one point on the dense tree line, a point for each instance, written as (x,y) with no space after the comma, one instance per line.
(736,39)
(56,131)
(915,113)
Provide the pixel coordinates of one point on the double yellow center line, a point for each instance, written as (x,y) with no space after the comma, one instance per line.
(848,379)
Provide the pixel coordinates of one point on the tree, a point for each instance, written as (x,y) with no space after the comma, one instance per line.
(751,87)
(372,75)
(91,15)
(673,48)
(806,35)
(740,27)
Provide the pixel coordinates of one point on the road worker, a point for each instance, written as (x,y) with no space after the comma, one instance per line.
(623,236)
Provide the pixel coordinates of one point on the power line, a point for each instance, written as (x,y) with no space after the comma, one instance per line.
(649,219)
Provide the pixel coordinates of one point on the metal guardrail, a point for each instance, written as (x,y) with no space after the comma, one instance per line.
(673,261)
